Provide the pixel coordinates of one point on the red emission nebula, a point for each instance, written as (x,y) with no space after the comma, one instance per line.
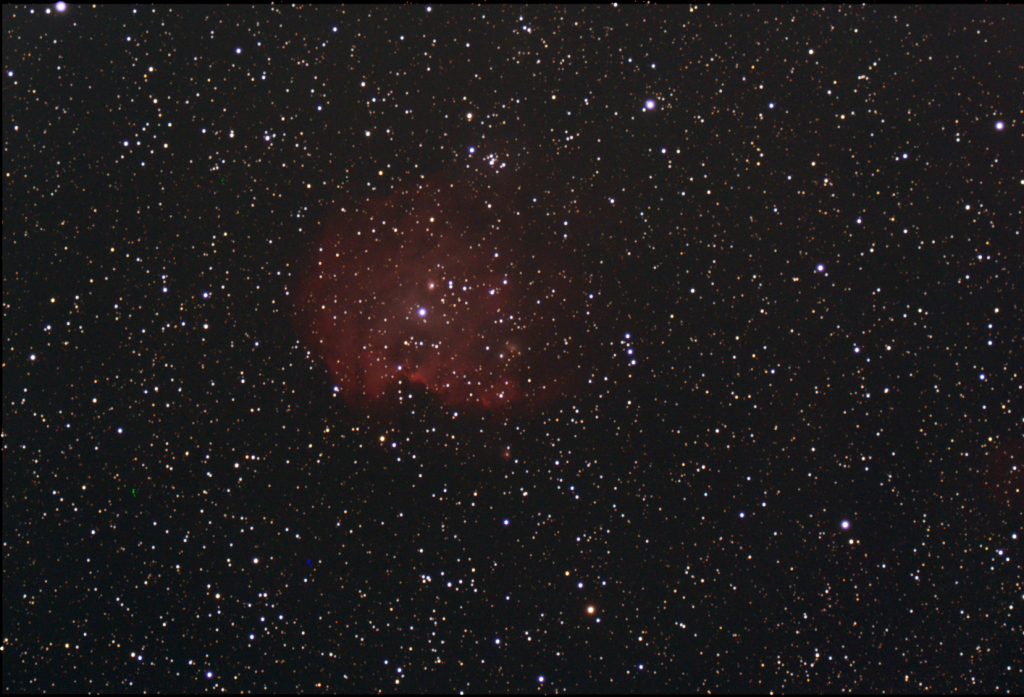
(454,284)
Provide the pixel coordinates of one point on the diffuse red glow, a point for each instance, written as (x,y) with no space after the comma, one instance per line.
(452,285)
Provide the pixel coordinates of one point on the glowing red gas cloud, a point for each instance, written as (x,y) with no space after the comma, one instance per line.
(455,284)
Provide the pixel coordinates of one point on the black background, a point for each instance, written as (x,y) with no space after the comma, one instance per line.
(188,506)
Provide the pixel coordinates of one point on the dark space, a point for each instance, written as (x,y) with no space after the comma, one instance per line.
(512,349)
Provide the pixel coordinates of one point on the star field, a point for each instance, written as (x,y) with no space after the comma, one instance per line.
(512,349)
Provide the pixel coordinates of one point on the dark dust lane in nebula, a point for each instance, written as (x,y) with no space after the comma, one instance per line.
(460,284)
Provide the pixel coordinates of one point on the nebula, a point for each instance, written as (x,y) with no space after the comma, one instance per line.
(1004,472)
(462,285)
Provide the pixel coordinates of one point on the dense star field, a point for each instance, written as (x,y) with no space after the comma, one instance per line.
(512,349)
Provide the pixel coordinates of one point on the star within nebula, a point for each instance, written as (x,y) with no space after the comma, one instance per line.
(457,286)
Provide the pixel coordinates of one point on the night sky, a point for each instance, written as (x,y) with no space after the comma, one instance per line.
(512,349)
